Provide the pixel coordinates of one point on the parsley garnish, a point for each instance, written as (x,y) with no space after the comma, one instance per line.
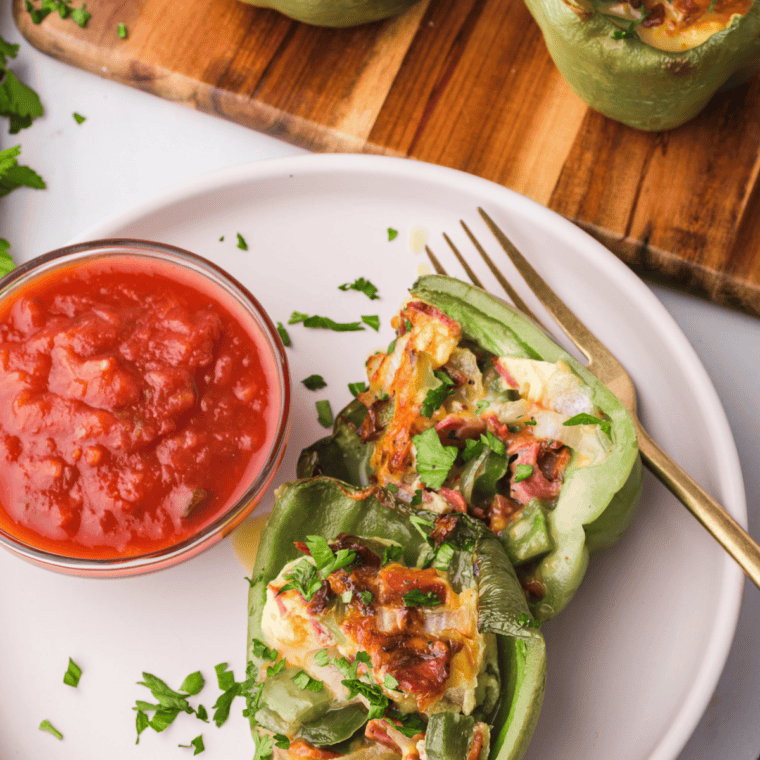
(416,498)
(411,724)
(264,746)
(304,681)
(443,557)
(372,320)
(322,658)
(390,682)
(230,689)
(73,674)
(323,323)
(367,597)
(324,413)
(327,561)
(262,651)
(241,244)
(283,333)
(436,396)
(46,725)
(472,449)
(522,472)
(392,553)
(392,234)
(357,388)
(121,31)
(378,702)
(196,744)
(304,578)
(589,419)
(78,118)
(65,9)
(363,286)
(434,461)
(281,741)
(418,598)
(170,703)
(314,382)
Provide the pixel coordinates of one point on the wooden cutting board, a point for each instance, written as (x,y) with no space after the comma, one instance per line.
(462,83)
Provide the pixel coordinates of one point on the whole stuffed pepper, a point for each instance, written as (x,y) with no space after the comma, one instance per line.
(651,64)
(377,632)
(474,410)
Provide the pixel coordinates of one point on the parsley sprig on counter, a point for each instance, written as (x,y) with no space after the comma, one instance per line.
(80,16)
(363,286)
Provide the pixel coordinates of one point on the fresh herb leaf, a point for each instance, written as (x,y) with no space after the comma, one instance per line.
(364,657)
(372,320)
(46,725)
(314,382)
(391,347)
(496,445)
(481,406)
(347,669)
(357,388)
(424,527)
(12,175)
(78,118)
(281,741)
(264,746)
(73,674)
(323,323)
(390,682)
(378,702)
(363,286)
(283,333)
(418,598)
(522,472)
(142,722)
(324,413)
(392,234)
(262,651)
(241,244)
(193,683)
(411,723)
(304,578)
(273,670)
(196,744)
(224,678)
(416,498)
(436,396)
(253,581)
(321,658)
(80,16)
(304,681)
(367,597)
(230,689)
(167,698)
(589,419)
(327,561)
(121,31)
(201,713)
(392,553)
(472,449)
(443,556)
(434,461)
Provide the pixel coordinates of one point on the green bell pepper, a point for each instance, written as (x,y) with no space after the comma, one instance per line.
(595,503)
(475,559)
(336,13)
(623,77)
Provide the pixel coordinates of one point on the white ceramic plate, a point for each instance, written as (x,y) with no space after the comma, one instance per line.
(632,661)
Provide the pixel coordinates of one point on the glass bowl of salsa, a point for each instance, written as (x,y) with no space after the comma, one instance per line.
(144,407)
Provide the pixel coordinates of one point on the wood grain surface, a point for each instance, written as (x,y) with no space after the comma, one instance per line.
(462,83)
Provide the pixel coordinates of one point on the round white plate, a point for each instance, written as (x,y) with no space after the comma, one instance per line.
(632,661)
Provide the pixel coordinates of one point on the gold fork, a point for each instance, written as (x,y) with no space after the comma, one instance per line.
(726,531)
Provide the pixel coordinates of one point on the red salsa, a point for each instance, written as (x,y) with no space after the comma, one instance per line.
(133,407)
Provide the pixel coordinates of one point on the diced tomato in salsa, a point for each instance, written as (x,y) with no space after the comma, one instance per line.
(132,409)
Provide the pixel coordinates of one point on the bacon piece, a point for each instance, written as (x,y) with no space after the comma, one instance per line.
(376,731)
(553,460)
(396,580)
(421,667)
(536,486)
(462,427)
(432,311)
(454,499)
(502,509)
(504,372)
(445,525)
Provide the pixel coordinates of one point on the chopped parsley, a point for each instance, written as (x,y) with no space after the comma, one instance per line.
(262,651)
(304,681)
(372,320)
(522,472)
(392,234)
(283,333)
(322,658)
(327,560)
(357,388)
(80,16)
(241,244)
(73,674)
(314,382)
(304,578)
(390,682)
(196,744)
(46,725)
(436,396)
(411,723)
(121,31)
(367,597)
(324,413)
(392,553)
(281,741)
(443,557)
(264,746)
(169,705)
(78,118)
(323,323)
(589,419)
(378,702)
(418,598)
(434,461)
(363,286)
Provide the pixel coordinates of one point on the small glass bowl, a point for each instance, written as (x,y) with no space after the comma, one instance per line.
(189,268)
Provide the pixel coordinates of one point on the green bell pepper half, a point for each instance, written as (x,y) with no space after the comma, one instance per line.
(327,507)
(336,13)
(596,503)
(634,83)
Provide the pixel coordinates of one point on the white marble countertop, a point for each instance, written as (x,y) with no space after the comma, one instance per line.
(132,145)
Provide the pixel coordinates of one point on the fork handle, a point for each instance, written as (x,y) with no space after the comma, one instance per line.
(723,528)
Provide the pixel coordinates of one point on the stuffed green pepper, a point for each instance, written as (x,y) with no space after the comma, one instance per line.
(376,631)
(651,64)
(473,410)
